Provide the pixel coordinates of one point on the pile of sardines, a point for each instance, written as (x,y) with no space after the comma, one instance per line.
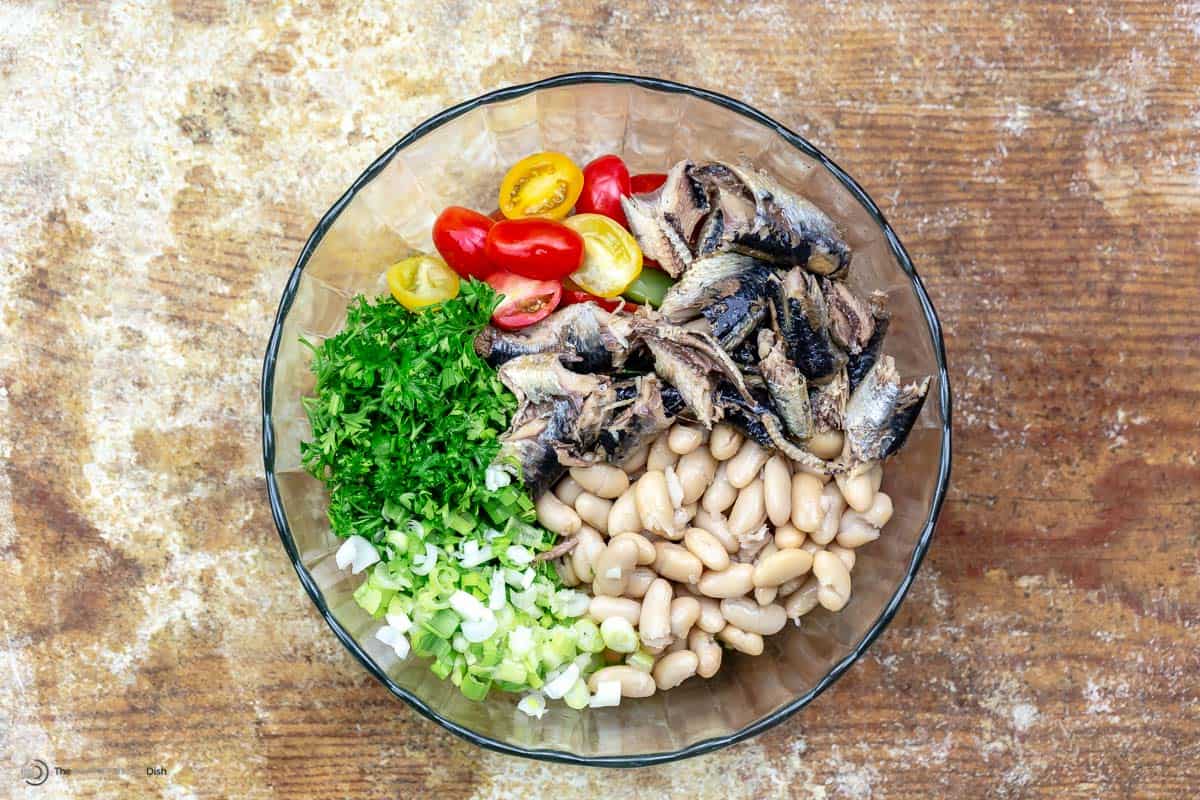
(759,331)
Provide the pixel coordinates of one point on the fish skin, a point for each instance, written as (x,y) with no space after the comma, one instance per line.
(656,236)
(706,280)
(786,386)
(800,318)
(880,414)
(588,339)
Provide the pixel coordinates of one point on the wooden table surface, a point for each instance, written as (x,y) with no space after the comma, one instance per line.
(162,164)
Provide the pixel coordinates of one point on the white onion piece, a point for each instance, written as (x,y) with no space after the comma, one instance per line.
(520,641)
(534,704)
(394,639)
(400,621)
(608,693)
(674,487)
(556,688)
(496,476)
(499,595)
(477,630)
(519,555)
(356,553)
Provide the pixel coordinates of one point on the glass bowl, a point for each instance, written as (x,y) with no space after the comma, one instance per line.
(458,158)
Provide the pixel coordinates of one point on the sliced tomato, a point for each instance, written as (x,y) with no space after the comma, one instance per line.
(421,280)
(572,297)
(647,182)
(525,301)
(541,185)
(459,235)
(612,259)
(497,215)
(605,182)
(536,248)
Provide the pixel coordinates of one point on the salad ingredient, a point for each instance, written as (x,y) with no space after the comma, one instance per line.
(880,414)
(459,235)
(525,301)
(541,185)
(605,182)
(594,340)
(421,280)
(649,288)
(535,248)
(647,182)
(612,260)
(356,553)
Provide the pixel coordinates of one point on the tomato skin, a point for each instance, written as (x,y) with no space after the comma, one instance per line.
(421,280)
(574,296)
(647,182)
(459,235)
(605,182)
(541,185)
(612,259)
(535,248)
(525,302)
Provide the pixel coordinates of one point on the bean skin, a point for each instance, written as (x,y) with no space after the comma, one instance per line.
(751,617)
(557,516)
(711,619)
(568,490)
(720,494)
(803,600)
(639,581)
(834,579)
(787,537)
(654,624)
(685,610)
(777,490)
(677,563)
(654,503)
(683,439)
(602,480)
(583,557)
(806,502)
(661,455)
(880,512)
(745,466)
(781,566)
(674,669)
(696,472)
(593,510)
(706,547)
(743,641)
(601,608)
(614,566)
(724,442)
(718,526)
(634,682)
(734,581)
(623,516)
(749,512)
(708,652)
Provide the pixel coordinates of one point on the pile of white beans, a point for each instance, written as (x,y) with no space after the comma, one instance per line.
(699,538)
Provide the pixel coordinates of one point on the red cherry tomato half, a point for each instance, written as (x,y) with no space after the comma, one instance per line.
(605,182)
(647,182)
(459,235)
(572,296)
(525,302)
(497,215)
(534,247)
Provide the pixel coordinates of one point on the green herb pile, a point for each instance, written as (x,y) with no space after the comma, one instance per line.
(406,420)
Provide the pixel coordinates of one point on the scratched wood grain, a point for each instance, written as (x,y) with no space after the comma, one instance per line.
(162,164)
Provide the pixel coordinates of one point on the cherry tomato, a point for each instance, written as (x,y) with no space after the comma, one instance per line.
(573,296)
(525,301)
(459,234)
(612,259)
(497,215)
(605,182)
(420,281)
(535,248)
(647,182)
(542,185)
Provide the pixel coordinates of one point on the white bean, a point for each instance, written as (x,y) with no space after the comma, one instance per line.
(733,581)
(634,682)
(749,511)
(743,641)
(826,444)
(880,512)
(654,624)
(855,531)
(602,607)
(588,548)
(792,585)
(777,490)
(593,510)
(685,610)
(568,490)
(876,476)
(614,566)
(765,595)
(781,566)
(639,581)
(724,442)
(661,455)
(720,493)
(635,460)
(711,618)
(833,504)
(803,600)
(745,466)
(696,472)
(707,548)
(708,652)
(786,536)
(716,524)
(848,556)
(674,669)
(623,516)
(602,480)
(751,617)
(557,516)
(645,548)
(806,502)
(834,579)
(676,563)
(683,439)
(856,488)
(654,503)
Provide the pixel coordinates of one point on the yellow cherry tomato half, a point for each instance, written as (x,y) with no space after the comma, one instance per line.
(421,280)
(542,185)
(611,257)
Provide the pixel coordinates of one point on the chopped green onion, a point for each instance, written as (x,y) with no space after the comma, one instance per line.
(641,660)
(587,636)
(577,697)
(619,635)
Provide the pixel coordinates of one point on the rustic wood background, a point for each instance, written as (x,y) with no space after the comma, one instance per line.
(161,165)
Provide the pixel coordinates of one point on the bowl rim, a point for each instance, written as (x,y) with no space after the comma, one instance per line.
(805,147)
